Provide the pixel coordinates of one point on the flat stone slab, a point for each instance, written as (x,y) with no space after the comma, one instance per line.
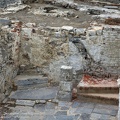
(25,102)
(5,21)
(31,81)
(35,94)
(24,80)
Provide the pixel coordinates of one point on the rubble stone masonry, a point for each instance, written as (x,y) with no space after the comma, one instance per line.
(8,69)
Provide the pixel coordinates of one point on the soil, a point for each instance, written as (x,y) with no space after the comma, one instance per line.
(81,19)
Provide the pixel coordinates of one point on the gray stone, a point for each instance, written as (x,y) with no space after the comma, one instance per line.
(83,110)
(49,117)
(64,103)
(80,31)
(64,96)
(40,107)
(64,117)
(25,102)
(35,94)
(50,105)
(40,101)
(66,86)
(11,118)
(75,104)
(61,113)
(5,21)
(85,116)
(105,111)
(66,73)
(32,81)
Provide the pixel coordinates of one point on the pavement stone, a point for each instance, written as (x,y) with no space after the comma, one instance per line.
(85,116)
(35,94)
(105,111)
(87,105)
(64,108)
(64,117)
(61,113)
(40,107)
(49,117)
(64,103)
(25,102)
(50,105)
(81,110)
(75,104)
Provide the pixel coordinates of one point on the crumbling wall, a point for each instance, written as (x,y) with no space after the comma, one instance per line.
(8,69)
(102,44)
(94,50)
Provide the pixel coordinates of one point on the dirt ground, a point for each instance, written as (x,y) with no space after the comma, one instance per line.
(81,19)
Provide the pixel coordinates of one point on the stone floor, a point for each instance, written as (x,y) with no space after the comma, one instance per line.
(75,110)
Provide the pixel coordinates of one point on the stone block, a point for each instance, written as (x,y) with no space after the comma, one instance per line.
(64,96)
(80,31)
(66,73)
(68,28)
(25,102)
(91,32)
(40,101)
(66,86)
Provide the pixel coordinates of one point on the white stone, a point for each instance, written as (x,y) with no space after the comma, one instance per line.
(30,24)
(66,67)
(68,28)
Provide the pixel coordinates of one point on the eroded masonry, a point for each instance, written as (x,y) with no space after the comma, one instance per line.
(65,42)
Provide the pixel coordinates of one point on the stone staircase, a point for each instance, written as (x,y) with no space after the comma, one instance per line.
(32,88)
(98,90)
(24,82)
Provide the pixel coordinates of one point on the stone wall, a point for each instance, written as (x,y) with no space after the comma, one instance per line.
(94,50)
(8,69)
(102,44)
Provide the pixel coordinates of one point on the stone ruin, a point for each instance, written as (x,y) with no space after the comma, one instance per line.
(94,50)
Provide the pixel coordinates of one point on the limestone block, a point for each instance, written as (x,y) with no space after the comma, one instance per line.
(64,96)
(66,73)
(65,86)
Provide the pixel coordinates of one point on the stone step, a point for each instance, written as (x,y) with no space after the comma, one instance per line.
(35,94)
(88,84)
(98,89)
(28,80)
(33,86)
(112,99)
